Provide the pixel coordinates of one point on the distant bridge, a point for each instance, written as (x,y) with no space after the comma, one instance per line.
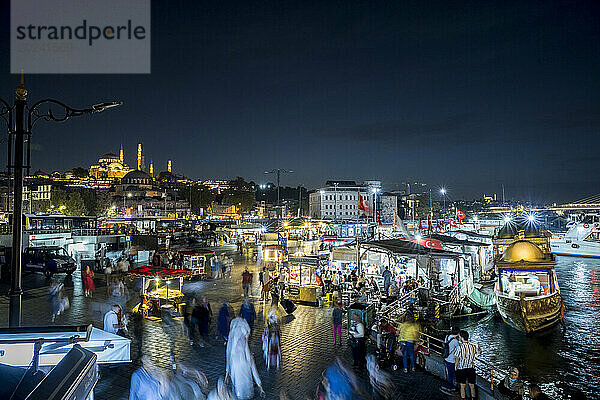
(585,204)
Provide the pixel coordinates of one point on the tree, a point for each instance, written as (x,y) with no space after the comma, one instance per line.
(75,204)
(79,172)
(243,199)
(58,200)
(201,198)
(103,203)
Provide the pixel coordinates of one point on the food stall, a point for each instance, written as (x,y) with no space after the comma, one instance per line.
(160,288)
(272,256)
(302,278)
(198,262)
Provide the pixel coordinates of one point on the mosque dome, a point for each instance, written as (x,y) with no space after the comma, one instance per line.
(523,250)
(137,177)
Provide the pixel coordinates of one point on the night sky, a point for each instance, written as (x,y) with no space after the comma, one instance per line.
(466,95)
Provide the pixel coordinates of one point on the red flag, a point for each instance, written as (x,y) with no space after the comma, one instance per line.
(364,207)
(429,243)
(420,225)
(460,216)
(379,218)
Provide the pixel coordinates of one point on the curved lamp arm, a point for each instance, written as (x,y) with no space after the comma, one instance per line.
(34,115)
(6,113)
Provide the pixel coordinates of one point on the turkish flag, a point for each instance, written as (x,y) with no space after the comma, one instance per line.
(460,216)
(364,207)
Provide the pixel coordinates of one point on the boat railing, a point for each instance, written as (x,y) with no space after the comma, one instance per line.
(488,371)
(399,306)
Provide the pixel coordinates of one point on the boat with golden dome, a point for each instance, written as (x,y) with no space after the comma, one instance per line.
(527,291)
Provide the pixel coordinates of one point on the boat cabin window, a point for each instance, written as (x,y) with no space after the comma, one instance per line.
(517,283)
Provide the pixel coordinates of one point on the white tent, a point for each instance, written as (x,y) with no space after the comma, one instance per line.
(109,348)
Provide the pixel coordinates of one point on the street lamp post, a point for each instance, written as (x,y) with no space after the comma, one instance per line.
(279,171)
(14,116)
(443,192)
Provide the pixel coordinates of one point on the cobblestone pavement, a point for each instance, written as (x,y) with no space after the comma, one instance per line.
(307,348)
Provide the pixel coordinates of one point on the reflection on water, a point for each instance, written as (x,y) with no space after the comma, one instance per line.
(562,362)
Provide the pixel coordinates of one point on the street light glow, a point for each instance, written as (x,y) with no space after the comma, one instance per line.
(443,191)
(507,219)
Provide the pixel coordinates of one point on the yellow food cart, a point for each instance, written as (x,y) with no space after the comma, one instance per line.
(273,256)
(302,281)
(160,287)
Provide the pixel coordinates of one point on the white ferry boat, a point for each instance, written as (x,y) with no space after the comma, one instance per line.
(581,240)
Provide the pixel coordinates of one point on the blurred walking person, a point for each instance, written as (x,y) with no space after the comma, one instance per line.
(409,335)
(58,304)
(148,382)
(240,362)
(381,385)
(340,383)
(88,282)
(246,282)
(226,314)
(337,323)
(272,340)
(357,341)
(221,392)
(248,312)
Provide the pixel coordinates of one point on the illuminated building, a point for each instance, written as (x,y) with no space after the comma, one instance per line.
(109,167)
(169,166)
(151,169)
(217,185)
(339,201)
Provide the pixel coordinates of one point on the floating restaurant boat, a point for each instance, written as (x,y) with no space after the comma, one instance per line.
(581,240)
(527,292)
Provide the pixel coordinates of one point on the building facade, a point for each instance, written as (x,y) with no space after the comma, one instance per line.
(339,201)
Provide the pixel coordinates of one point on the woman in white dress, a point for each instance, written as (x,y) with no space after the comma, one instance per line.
(240,362)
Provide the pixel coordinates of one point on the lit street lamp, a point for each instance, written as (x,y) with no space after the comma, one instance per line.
(15,116)
(443,192)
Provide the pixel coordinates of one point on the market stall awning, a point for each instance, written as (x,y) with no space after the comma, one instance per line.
(407,248)
(453,240)
(199,252)
(473,234)
(157,272)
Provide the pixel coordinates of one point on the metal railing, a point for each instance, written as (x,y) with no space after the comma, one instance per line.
(488,371)
(399,305)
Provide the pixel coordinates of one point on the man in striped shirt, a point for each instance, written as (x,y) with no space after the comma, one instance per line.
(464,357)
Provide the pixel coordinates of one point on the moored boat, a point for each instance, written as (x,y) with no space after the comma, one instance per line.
(581,240)
(527,291)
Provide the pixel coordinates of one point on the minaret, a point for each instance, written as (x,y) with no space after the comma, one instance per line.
(151,169)
(121,157)
(139,157)
(169,165)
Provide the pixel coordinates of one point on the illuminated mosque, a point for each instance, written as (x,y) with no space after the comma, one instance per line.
(110,167)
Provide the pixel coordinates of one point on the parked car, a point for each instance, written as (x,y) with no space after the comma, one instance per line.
(49,260)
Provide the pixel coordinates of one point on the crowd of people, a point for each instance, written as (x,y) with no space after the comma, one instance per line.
(233,329)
